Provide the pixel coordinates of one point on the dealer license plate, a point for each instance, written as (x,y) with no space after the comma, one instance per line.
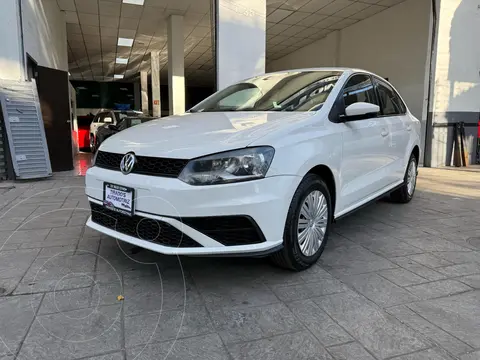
(118,198)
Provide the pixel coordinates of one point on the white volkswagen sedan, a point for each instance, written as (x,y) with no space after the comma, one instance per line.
(262,167)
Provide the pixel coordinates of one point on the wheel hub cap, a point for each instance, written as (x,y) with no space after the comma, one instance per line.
(411,178)
(312,223)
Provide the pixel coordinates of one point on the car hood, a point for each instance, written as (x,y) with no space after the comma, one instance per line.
(195,134)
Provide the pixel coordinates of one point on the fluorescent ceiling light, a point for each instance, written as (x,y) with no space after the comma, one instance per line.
(124,89)
(117,76)
(134,2)
(122,61)
(81,88)
(125,42)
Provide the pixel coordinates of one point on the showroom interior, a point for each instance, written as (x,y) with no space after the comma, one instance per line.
(161,57)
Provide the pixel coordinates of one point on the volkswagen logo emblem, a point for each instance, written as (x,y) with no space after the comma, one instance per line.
(127,163)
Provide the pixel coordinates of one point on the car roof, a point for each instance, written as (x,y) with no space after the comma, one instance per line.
(329,69)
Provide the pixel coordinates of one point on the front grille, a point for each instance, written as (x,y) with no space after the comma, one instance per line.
(140,227)
(228,230)
(145,165)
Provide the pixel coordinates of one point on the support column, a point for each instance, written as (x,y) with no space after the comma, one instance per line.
(144,89)
(240,40)
(12,59)
(155,64)
(176,65)
(137,97)
(454,84)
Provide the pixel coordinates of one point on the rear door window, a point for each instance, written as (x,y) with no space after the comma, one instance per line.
(390,102)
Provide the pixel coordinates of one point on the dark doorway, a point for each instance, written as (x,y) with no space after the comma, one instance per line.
(54,97)
(31,68)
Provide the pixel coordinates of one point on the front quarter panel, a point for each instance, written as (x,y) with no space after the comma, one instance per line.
(306,147)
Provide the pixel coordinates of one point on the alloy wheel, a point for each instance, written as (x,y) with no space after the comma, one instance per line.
(312,223)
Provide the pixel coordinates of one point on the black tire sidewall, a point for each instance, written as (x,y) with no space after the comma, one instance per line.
(309,183)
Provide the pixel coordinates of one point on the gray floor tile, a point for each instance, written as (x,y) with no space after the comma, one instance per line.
(74,334)
(438,289)
(460,269)
(149,294)
(389,246)
(432,332)
(201,347)
(471,356)
(298,346)
(429,354)
(377,331)
(354,260)
(418,269)
(239,293)
(16,314)
(457,315)
(8,285)
(246,324)
(58,273)
(350,351)
(430,260)
(460,257)
(309,290)
(434,243)
(48,252)
(327,331)
(15,263)
(66,300)
(402,277)
(166,325)
(111,356)
(471,280)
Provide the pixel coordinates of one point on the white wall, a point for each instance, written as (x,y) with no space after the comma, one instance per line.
(457,60)
(456,90)
(393,44)
(45,33)
(240,46)
(10,45)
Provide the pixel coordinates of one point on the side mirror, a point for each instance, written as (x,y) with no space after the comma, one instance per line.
(360,110)
(112,127)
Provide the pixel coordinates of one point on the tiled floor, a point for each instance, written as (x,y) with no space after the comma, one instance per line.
(395,282)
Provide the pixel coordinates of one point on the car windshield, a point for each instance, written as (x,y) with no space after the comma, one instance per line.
(286,91)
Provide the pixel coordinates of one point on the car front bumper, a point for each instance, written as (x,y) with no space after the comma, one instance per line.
(239,218)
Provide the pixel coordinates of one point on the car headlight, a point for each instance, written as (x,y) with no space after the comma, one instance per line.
(227,167)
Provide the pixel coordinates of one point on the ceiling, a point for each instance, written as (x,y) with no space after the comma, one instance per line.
(292,24)
(94,26)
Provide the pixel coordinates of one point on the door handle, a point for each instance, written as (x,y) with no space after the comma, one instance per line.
(409,127)
(384,133)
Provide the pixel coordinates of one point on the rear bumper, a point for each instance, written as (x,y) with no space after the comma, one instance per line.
(216,218)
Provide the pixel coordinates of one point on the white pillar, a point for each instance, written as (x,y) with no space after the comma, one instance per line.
(176,65)
(11,51)
(240,34)
(144,86)
(155,64)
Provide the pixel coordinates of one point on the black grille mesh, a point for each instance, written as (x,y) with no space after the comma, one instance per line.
(155,231)
(145,165)
(228,230)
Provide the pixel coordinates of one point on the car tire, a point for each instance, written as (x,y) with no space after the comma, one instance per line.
(92,144)
(405,193)
(295,254)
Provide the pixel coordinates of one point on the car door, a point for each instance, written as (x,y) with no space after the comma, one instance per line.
(394,113)
(363,156)
(97,122)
